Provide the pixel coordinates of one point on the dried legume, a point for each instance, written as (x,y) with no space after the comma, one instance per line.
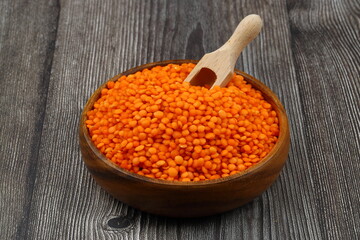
(154,124)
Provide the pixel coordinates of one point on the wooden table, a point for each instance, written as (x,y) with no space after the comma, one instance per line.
(54,54)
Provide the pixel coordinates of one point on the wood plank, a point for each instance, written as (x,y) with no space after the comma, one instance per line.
(286,210)
(326,50)
(27,40)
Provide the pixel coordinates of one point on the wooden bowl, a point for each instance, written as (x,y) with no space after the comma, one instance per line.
(186,199)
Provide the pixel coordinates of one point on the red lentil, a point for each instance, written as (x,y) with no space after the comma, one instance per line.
(154,124)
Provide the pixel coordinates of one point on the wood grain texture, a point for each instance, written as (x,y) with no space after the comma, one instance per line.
(326,50)
(307,53)
(26,51)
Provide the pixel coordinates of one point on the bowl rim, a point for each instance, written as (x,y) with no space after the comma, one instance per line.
(275,102)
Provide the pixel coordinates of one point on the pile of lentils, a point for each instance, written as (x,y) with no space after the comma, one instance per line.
(154,124)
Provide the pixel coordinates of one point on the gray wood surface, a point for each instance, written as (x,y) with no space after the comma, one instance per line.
(53,55)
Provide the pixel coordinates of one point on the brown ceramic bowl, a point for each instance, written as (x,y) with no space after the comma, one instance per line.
(186,199)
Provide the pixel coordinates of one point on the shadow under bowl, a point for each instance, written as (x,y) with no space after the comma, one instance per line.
(186,199)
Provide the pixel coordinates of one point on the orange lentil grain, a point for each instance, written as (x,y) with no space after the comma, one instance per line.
(179,159)
(173,172)
(158,114)
(182,140)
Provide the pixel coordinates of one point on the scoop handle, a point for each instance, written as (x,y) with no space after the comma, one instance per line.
(245,32)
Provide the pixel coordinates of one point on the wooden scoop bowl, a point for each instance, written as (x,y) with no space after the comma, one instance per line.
(186,199)
(217,68)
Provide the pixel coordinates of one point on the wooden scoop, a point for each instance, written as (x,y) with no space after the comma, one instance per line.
(217,68)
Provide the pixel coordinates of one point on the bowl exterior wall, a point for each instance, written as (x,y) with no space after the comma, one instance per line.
(183,201)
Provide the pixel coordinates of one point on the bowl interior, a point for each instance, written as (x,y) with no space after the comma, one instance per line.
(267,93)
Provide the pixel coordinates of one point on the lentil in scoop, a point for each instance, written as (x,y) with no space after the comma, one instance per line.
(154,124)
